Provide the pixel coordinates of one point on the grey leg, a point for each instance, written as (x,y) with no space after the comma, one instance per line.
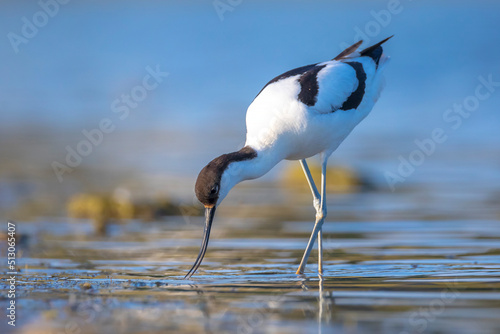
(310,180)
(320,206)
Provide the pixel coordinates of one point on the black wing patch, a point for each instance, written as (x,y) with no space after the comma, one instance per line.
(308,82)
(309,86)
(291,73)
(354,100)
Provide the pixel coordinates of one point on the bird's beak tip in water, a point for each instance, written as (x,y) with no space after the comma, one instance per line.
(209,216)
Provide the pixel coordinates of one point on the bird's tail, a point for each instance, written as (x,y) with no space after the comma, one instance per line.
(347,52)
(375,51)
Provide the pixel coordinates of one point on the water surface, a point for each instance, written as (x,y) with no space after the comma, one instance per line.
(380,277)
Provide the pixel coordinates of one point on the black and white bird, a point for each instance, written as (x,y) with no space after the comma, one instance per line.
(306,111)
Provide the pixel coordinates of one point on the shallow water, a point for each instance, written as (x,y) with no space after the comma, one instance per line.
(380,277)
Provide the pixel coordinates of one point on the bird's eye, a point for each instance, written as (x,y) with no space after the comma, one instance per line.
(215,189)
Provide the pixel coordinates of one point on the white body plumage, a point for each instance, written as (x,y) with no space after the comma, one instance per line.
(292,130)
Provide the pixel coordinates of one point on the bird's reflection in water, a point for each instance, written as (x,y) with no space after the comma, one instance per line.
(218,316)
(325,302)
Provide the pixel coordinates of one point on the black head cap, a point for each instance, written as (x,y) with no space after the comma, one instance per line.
(208,185)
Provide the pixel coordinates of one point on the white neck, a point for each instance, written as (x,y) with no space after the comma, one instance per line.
(239,171)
